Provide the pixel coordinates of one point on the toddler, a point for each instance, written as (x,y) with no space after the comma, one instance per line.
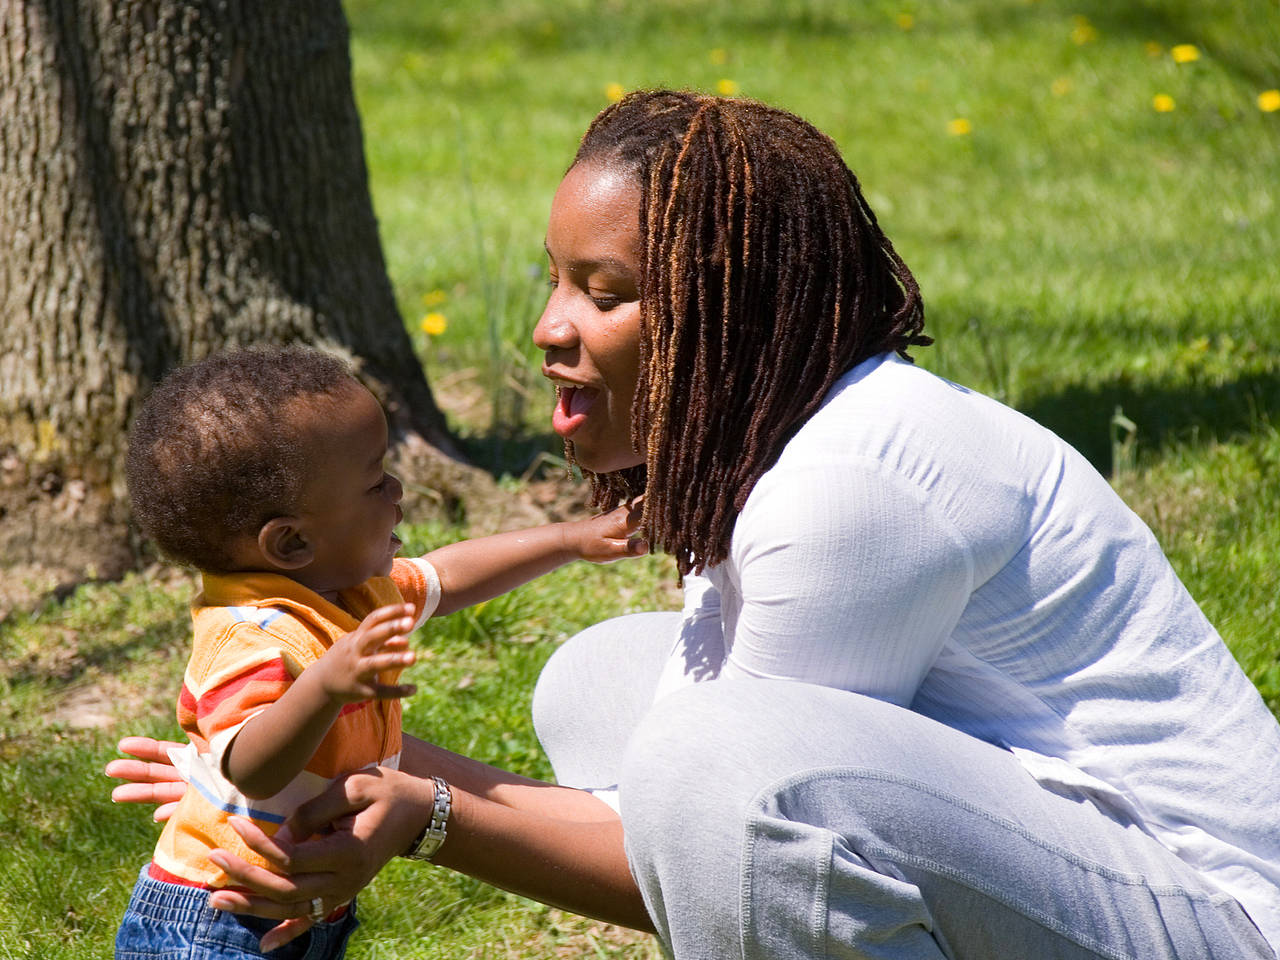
(263,469)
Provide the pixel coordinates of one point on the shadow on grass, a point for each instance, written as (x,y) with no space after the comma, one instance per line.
(1192,412)
(1196,412)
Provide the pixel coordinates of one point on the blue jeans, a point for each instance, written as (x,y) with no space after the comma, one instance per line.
(169,921)
(777,820)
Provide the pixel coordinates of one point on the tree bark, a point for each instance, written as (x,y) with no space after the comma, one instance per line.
(176,177)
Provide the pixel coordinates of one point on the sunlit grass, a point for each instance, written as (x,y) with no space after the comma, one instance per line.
(1079,251)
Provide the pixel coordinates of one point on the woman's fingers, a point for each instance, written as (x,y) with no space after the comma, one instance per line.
(257,840)
(335,803)
(261,883)
(318,855)
(142,771)
(164,811)
(150,749)
(167,792)
(235,901)
(266,894)
(282,933)
(151,777)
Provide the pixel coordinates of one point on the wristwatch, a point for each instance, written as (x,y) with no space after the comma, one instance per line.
(431,839)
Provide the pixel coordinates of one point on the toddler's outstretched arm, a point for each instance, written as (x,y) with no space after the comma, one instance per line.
(472,571)
(274,746)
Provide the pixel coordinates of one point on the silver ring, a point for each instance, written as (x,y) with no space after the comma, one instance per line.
(317,913)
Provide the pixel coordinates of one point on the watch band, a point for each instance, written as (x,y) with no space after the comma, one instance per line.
(431,839)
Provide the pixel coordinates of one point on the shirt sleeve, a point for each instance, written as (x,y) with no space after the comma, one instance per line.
(252,672)
(419,584)
(849,577)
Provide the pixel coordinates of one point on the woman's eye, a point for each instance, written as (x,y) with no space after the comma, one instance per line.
(604,301)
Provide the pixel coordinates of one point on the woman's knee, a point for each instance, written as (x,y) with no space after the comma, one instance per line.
(595,687)
(685,776)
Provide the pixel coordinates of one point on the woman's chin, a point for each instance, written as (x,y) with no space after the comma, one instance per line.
(605,462)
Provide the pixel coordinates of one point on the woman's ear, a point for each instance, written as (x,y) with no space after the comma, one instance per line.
(283,544)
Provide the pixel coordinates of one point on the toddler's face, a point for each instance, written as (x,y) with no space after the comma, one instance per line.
(350,505)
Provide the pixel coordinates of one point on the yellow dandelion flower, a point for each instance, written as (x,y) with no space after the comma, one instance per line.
(1082,31)
(434,298)
(719,56)
(1153,49)
(726,88)
(615,92)
(1163,103)
(959,127)
(1184,53)
(1269,101)
(1061,87)
(905,21)
(434,324)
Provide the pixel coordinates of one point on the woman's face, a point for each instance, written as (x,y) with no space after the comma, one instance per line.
(590,328)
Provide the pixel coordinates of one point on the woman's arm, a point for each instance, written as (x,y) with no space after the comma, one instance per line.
(553,844)
(472,571)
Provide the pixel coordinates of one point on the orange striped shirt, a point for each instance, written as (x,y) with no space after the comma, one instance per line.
(253,635)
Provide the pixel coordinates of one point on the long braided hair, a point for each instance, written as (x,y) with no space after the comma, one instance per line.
(764,277)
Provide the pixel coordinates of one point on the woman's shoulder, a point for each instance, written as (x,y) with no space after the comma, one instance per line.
(891,425)
(897,414)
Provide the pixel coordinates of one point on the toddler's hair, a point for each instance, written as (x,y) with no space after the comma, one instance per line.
(212,453)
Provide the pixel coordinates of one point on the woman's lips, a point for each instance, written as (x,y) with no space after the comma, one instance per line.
(572,406)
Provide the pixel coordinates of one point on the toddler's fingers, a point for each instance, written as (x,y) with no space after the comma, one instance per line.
(372,638)
(393,691)
(391,611)
(373,665)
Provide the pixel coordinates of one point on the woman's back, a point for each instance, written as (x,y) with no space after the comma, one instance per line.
(929,546)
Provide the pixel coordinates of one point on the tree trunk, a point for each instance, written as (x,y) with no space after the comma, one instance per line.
(176,177)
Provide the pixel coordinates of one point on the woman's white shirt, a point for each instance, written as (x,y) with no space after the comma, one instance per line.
(925,545)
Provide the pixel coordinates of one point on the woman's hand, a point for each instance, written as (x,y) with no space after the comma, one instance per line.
(152,778)
(362,821)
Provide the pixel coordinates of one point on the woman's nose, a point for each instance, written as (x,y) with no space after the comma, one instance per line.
(554,330)
(395,490)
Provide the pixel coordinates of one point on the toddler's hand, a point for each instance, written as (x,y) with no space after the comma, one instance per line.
(608,536)
(350,668)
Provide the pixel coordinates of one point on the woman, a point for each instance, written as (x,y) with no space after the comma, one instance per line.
(962,705)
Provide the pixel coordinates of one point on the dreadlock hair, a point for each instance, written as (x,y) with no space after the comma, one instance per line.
(212,453)
(764,277)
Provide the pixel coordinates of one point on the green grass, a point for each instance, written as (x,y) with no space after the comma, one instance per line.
(1079,252)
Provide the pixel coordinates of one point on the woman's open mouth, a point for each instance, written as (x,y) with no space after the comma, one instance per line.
(572,405)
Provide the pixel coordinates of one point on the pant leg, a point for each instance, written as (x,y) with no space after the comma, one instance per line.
(594,690)
(170,921)
(780,820)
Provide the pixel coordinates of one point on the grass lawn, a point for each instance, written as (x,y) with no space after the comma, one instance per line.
(1095,224)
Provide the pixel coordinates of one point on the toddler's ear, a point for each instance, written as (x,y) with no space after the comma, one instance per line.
(283,544)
